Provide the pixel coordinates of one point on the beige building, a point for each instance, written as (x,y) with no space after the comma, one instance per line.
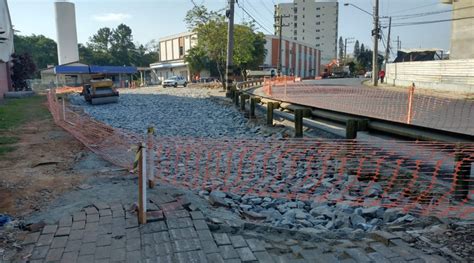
(314,22)
(6,48)
(462,33)
(172,51)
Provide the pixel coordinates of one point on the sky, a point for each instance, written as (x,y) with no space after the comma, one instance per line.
(153,19)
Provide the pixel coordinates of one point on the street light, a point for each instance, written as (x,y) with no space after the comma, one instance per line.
(375,33)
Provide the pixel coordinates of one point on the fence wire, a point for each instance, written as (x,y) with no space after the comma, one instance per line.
(425,178)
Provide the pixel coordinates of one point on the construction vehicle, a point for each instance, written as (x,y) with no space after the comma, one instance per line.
(256,74)
(100,90)
(335,70)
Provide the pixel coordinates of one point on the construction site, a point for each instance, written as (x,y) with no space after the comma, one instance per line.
(97,164)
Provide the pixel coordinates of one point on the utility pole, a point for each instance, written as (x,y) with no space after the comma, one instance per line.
(279,26)
(375,33)
(345,49)
(230,48)
(387,52)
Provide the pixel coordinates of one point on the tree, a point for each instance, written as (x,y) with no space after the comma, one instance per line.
(197,60)
(101,41)
(341,48)
(211,30)
(23,68)
(356,49)
(42,50)
(362,48)
(122,45)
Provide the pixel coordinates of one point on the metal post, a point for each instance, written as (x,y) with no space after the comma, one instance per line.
(270,107)
(151,157)
(351,129)
(64,108)
(345,52)
(298,123)
(142,185)
(411,93)
(280,29)
(252,108)
(375,67)
(230,48)
(387,52)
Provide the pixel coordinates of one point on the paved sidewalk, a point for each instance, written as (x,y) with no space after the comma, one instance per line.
(109,233)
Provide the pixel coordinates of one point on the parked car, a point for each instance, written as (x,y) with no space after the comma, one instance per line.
(175,81)
(368,74)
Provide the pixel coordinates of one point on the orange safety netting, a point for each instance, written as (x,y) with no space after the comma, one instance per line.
(454,115)
(426,178)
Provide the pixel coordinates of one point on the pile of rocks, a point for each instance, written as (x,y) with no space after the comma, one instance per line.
(306,216)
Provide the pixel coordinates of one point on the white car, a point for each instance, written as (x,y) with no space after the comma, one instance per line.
(368,74)
(175,81)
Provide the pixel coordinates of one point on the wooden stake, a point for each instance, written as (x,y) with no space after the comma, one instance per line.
(142,185)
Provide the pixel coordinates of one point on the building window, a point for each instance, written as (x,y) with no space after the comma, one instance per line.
(296,17)
(318,23)
(318,38)
(318,8)
(181,52)
(295,38)
(296,25)
(295,9)
(295,32)
(318,16)
(317,30)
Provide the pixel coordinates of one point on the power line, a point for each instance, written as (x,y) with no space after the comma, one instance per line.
(265,6)
(429,13)
(409,9)
(254,20)
(431,22)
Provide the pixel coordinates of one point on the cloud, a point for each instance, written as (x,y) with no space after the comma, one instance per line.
(111,17)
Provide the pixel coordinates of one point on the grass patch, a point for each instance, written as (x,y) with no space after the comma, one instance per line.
(6,149)
(16,112)
(8,140)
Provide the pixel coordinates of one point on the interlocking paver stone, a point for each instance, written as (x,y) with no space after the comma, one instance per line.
(54,254)
(255,244)
(39,252)
(132,233)
(104,240)
(79,216)
(87,249)
(118,255)
(154,227)
(59,242)
(179,223)
(246,254)
(105,212)
(101,205)
(228,252)
(134,256)
(164,249)
(133,244)
(165,259)
(85,259)
(209,247)
(69,257)
(382,249)
(197,215)
(73,245)
(215,258)
(205,235)
(238,241)
(200,224)
(105,220)
(221,239)
(183,233)
(89,237)
(190,257)
(186,245)
(176,214)
(92,226)
(378,257)
(118,243)
(63,231)
(49,229)
(78,225)
(103,252)
(45,240)
(76,234)
(91,210)
(357,254)
(161,237)
(263,257)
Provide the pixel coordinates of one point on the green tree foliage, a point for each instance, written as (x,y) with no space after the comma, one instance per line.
(356,48)
(101,41)
(211,50)
(341,48)
(43,50)
(23,68)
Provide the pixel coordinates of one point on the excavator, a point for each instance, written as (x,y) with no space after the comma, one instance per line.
(100,90)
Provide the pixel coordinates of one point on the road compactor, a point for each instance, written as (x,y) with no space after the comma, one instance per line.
(100,90)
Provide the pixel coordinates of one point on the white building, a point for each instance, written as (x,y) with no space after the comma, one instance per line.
(6,47)
(172,51)
(314,22)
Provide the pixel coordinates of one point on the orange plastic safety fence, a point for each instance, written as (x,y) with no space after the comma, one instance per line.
(408,107)
(68,89)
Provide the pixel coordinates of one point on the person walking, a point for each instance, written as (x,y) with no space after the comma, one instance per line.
(381,75)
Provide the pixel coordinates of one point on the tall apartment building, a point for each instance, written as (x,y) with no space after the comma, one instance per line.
(314,22)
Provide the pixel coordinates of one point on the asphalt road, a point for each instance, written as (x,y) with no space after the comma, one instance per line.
(343,82)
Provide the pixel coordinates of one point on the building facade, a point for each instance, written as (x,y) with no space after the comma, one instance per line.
(462,32)
(6,47)
(172,51)
(314,22)
(297,58)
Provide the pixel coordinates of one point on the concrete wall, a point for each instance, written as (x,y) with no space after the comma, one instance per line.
(462,36)
(455,76)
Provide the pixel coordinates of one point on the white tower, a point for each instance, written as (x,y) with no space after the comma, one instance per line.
(66,31)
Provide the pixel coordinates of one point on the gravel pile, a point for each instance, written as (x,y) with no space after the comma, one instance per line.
(182,112)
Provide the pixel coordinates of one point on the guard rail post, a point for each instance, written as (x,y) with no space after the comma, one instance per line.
(236,97)
(463,173)
(299,123)
(253,102)
(270,108)
(351,129)
(243,99)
